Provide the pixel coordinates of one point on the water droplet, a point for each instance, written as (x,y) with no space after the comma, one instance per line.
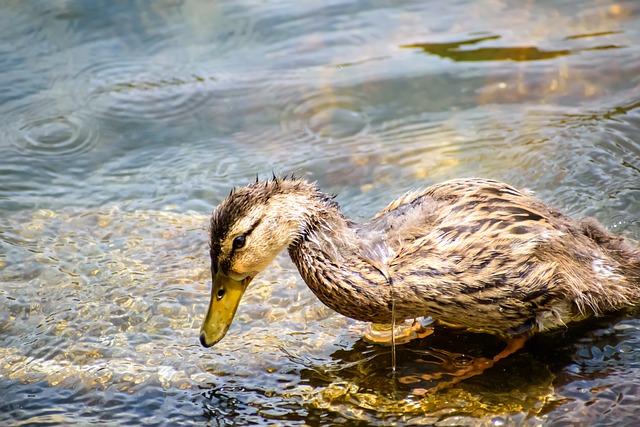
(463,360)
(498,421)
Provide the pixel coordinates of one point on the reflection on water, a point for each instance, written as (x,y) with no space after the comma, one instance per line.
(460,51)
(123,124)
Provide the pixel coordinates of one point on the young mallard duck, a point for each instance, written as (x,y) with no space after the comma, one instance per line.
(475,253)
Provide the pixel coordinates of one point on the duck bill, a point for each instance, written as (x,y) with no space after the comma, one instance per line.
(226,294)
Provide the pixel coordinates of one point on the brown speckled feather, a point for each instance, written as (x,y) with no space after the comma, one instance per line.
(470,252)
(518,263)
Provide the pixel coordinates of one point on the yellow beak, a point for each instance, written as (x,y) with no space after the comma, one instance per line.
(225,298)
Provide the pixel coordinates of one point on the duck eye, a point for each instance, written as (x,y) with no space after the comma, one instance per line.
(239,241)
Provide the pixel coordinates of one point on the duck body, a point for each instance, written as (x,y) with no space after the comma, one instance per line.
(474,253)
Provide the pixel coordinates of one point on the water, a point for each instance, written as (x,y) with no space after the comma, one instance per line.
(123,124)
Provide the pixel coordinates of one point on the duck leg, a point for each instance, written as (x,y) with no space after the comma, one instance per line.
(464,367)
(513,344)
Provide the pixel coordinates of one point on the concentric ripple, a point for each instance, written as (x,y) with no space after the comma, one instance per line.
(327,116)
(57,136)
(139,92)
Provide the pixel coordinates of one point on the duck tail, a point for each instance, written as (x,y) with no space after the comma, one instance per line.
(634,269)
(624,252)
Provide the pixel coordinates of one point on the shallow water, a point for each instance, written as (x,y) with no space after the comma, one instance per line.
(123,124)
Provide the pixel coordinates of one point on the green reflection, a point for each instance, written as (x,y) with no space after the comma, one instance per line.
(454,52)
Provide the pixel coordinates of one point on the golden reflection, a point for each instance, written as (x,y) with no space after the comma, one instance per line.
(352,380)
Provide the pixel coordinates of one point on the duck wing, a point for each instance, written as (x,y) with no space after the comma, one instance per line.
(478,253)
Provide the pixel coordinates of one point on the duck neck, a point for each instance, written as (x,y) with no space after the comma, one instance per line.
(328,258)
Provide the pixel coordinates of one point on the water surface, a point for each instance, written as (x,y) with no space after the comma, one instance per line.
(123,124)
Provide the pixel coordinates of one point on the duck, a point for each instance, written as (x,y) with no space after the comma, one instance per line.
(473,253)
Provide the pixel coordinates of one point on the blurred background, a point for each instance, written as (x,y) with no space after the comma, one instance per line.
(122,124)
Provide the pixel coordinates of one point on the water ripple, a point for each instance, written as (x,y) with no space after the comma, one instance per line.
(326,115)
(57,136)
(137,91)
